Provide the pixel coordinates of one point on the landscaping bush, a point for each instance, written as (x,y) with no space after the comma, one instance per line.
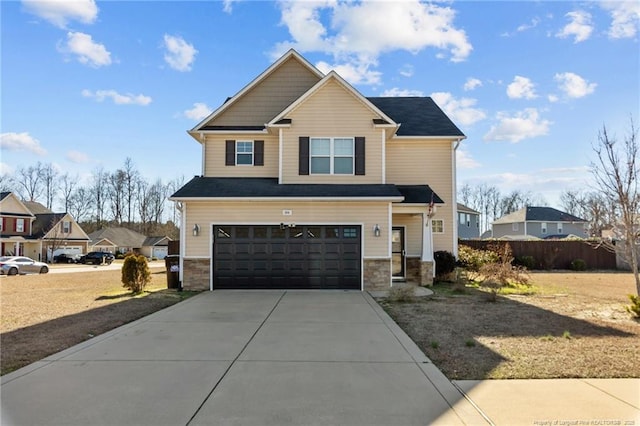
(494,276)
(528,262)
(445,263)
(578,265)
(634,308)
(473,259)
(135,273)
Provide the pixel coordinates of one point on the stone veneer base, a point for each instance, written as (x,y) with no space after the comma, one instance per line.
(377,274)
(196,274)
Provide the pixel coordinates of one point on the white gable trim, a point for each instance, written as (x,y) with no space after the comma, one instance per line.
(27,211)
(329,77)
(291,53)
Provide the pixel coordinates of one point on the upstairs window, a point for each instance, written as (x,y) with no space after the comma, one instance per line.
(66,227)
(514,226)
(19,225)
(331,156)
(559,228)
(244,153)
(543,227)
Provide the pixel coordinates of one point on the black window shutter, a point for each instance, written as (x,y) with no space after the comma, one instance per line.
(360,166)
(230,156)
(258,153)
(303,163)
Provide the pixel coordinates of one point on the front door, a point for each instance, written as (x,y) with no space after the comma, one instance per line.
(397,254)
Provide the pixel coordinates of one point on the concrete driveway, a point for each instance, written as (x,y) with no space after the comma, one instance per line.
(242,358)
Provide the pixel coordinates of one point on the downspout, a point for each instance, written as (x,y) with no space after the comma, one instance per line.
(203,141)
(454,198)
(280,150)
(183,223)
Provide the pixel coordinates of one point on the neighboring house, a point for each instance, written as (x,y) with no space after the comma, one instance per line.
(306,183)
(540,222)
(30,229)
(468,223)
(123,240)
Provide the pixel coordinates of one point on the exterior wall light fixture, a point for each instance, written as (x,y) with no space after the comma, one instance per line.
(376,230)
(196,230)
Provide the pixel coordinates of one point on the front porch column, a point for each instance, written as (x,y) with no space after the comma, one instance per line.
(427,264)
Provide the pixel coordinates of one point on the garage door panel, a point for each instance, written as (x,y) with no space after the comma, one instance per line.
(304,257)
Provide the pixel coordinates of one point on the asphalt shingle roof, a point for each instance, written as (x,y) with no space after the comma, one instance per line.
(121,237)
(418,116)
(216,187)
(418,194)
(538,214)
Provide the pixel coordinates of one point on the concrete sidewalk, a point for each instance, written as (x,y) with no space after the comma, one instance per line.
(283,358)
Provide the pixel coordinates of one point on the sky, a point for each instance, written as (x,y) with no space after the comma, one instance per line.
(87,84)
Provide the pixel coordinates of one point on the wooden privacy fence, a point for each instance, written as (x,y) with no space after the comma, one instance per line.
(554,254)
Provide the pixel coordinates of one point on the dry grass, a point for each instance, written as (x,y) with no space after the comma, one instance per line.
(575,325)
(44,314)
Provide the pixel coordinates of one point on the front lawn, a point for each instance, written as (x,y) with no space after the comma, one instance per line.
(574,325)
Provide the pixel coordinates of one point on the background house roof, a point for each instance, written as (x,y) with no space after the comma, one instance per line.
(213,187)
(538,214)
(418,116)
(121,237)
(36,208)
(4,195)
(44,222)
(160,241)
(462,208)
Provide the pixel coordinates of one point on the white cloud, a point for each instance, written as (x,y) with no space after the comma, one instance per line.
(117,98)
(580,26)
(87,51)
(6,169)
(464,160)
(77,157)
(524,125)
(461,111)
(21,142)
(60,12)
(180,54)
(407,70)
(625,18)
(553,98)
(472,84)
(354,73)
(521,87)
(395,92)
(532,24)
(357,33)
(227,5)
(199,111)
(573,85)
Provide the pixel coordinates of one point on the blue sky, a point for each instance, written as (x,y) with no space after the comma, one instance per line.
(86,84)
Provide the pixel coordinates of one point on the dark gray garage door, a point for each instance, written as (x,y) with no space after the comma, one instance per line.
(304,257)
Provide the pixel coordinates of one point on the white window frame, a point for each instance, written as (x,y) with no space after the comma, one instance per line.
(19,225)
(441,227)
(66,226)
(560,228)
(332,155)
(514,226)
(461,218)
(252,153)
(543,227)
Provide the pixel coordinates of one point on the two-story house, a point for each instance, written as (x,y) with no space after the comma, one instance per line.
(468,223)
(540,222)
(30,229)
(306,183)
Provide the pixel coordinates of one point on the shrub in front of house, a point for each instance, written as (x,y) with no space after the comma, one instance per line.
(578,265)
(135,273)
(445,264)
(473,259)
(528,262)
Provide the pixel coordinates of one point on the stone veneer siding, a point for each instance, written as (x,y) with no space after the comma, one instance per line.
(377,274)
(413,269)
(426,273)
(196,274)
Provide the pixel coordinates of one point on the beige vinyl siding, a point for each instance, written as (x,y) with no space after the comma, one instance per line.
(426,162)
(56,231)
(266,100)
(413,232)
(368,214)
(11,205)
(214,165)
(332,112)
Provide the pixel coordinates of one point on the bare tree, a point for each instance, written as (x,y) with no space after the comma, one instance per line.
(48,176)
(116,193)
(130,177)
(80,204)
(616,174)
(98,192)
(7,183)
(69,184)
(29,182)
